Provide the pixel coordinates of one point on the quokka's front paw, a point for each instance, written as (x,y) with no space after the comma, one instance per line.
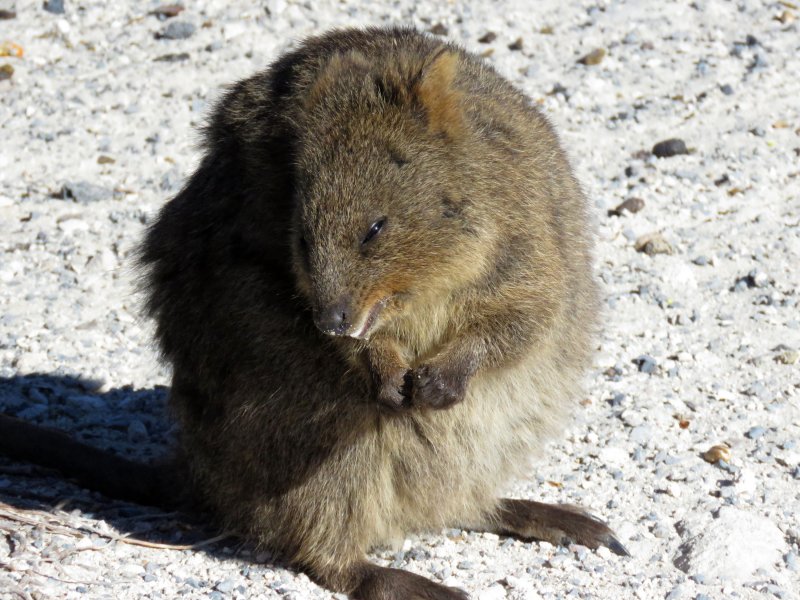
(394,392)
(437,388)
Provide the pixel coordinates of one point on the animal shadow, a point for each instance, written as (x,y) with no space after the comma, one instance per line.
(133,423)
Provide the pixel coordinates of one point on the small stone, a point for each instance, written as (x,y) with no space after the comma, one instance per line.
(756,432)
(516,45)
(8,13)
(54,6)
(652,243)
(740,285)
(759,390)
(87,402)
(178,57)
(790,558)
(632,37)
(746,482)
(617,399)
(84,192)
(558,89)
(493,592)
(137,432)
(641,434)
(439,29)
(488,37)
(177,30)
(70,226)
(719,452)
(632,205)
(661,531)
(701,261)
(603,553)
(6,71)
(32,412)
(670,147)
(63,27)
(611,455)
(788,357)
(673,489)
(759,278)
(724,180)
(595,57)
(758,131)
(466,565)
(224,586)
(679,591)
(558,561)
(646,363)
(167,11)
(275,7)
(726,89)
(105,160)
(130,570)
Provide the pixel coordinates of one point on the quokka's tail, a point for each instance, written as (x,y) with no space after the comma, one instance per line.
(96,469)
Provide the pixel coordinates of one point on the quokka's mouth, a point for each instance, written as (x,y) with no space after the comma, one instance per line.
(363,331)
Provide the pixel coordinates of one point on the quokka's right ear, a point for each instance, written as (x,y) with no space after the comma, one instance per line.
(436,91)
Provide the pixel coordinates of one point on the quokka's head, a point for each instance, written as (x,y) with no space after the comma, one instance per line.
(382,210)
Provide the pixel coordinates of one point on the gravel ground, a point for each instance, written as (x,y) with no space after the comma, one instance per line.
(702,329)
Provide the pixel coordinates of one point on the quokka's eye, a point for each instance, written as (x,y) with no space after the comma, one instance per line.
(374,230)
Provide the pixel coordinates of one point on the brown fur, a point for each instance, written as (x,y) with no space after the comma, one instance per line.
(475,298)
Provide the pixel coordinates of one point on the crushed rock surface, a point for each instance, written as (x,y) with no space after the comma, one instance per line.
(100,121)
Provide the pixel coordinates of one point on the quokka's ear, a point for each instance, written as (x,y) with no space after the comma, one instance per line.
(436,92)
(339,66)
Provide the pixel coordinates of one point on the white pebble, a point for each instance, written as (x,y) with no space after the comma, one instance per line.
(494,592)
(613,456)
(733,546)
(70,226)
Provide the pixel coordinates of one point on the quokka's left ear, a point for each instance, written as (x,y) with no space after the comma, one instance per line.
(341,65)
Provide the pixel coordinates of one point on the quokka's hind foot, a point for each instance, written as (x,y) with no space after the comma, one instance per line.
(366,581)
(559,524)
(381,583)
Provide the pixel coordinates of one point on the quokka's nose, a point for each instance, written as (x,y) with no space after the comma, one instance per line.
(333,319)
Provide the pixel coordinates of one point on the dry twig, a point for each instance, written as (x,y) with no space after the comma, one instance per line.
(45,520)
